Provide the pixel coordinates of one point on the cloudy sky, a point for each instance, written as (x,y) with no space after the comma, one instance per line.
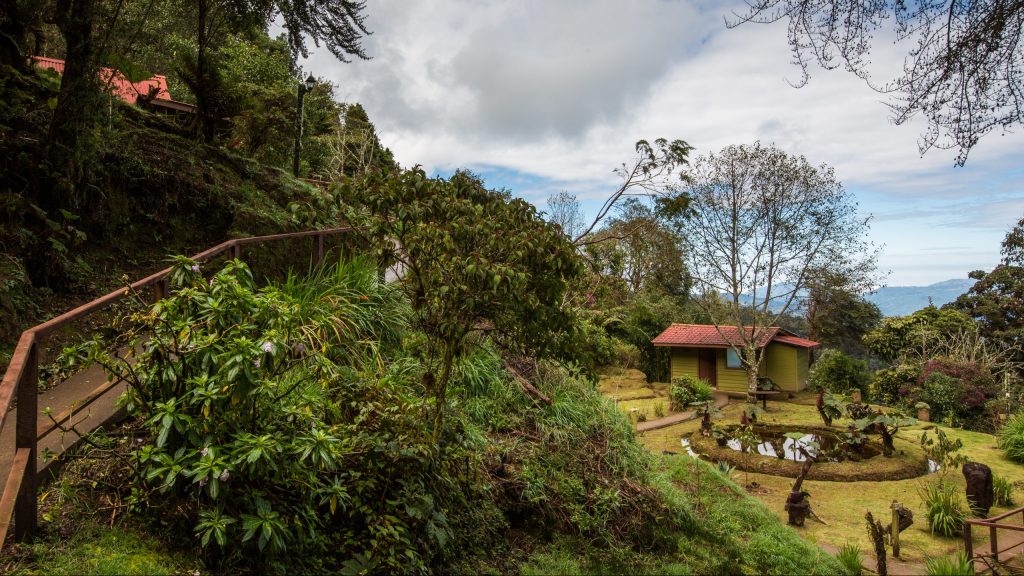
(544,96)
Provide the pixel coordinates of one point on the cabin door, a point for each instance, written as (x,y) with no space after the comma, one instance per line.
(707,366)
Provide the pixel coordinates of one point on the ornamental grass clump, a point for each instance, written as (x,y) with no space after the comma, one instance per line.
(1002,491)
(956,565)
(1011,438)
(944,508)
(850,557)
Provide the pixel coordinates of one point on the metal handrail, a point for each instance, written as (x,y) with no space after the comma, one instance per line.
(993,526)
(19,500)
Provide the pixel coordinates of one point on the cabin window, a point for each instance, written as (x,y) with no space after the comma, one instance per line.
(732,359)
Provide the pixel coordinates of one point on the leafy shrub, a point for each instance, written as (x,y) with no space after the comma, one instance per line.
(1011,438)
(275,427)
(688,389)
(886,383)
(944,508)
(943,451)
(659,410)
(849,556)
(626,355)
(838,373)
(1002,490)
(956,565)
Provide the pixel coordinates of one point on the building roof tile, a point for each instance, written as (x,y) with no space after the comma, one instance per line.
(709,336)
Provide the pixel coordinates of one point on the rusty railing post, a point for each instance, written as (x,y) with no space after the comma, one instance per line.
(318,248)
(159,290)
(994,543)
(26,506)
(968,543)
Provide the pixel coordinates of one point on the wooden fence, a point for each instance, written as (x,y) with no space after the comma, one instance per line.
(994,525)
(20,383)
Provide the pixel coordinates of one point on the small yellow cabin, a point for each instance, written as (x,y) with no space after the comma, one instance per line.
(711,353)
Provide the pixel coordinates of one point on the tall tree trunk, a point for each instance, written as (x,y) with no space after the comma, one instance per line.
(13,30)
(204,99)
(72,117)
(441,390)
(751,365)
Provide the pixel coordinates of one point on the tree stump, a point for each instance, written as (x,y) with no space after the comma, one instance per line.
(906,516)
(979,487)
(877,534)
(798,507)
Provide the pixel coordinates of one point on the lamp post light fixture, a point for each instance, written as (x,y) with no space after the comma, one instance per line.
(303,88)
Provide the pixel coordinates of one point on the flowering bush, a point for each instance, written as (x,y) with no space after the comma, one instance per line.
(957,392)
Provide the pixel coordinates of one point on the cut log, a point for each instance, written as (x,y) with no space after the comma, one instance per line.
(526,386)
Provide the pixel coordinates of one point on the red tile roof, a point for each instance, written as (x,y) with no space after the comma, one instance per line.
(118,84)
(796,341)
(708,336)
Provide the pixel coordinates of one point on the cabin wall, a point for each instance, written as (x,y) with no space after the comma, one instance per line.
(730,379)
(803,365)
(682,361)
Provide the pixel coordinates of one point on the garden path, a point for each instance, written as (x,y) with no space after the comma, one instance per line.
(63,400)
(720,401)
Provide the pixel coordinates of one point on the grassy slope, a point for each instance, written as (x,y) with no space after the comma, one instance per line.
(737,534)
(151,192)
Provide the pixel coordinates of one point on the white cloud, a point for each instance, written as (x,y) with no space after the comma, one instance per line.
(562,90)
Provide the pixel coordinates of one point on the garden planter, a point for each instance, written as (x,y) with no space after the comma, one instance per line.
(924,415)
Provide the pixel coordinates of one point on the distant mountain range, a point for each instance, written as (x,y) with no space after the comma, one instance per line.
(903,300)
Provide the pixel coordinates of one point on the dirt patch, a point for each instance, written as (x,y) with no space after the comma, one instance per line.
(909,461)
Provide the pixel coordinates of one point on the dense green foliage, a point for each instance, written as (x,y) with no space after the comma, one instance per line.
(688,389)
(269,411)
(887,382)
(1011,438)
(838,373)
(470,257)
(898,335)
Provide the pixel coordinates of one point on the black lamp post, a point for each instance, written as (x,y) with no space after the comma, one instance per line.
(303,88)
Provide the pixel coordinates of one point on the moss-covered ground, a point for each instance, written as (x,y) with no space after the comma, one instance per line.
(843,504)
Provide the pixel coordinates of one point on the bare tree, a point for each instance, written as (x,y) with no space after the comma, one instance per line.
(759,221)
(655,170)
(564,210)
(962,72)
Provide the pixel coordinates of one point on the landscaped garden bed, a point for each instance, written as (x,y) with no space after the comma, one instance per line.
(908,461)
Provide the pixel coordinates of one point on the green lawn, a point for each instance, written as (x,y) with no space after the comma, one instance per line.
(843,504)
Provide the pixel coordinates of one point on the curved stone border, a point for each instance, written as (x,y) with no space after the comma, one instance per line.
(908,462)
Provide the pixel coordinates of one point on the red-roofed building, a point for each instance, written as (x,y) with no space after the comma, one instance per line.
(712,353)
(151,92)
